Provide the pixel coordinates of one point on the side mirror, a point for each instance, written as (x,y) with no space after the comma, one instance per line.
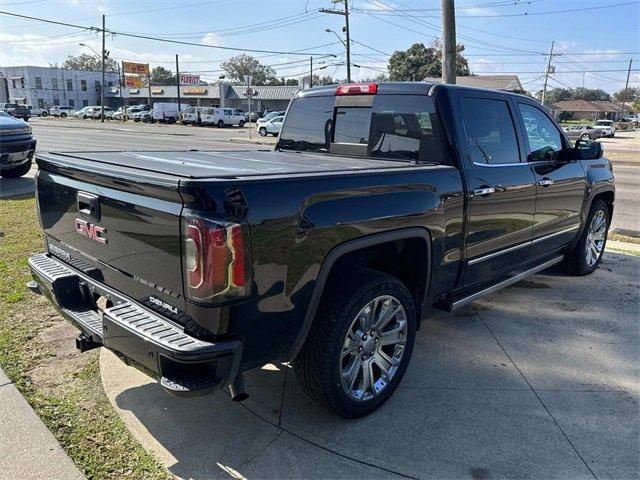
(587,150)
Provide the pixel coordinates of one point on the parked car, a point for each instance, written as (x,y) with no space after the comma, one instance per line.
(86,112)
(192,115)
(8,107)
(585,132)
(253,117)
(97,113)
(37,111)
(62,111)
(272,126)
(631,118)
(268,117)
(17,146)
(222,117)
(167,111)
(21,111)
(326,252)
(608,127)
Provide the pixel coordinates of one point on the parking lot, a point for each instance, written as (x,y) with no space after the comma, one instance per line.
(495,391)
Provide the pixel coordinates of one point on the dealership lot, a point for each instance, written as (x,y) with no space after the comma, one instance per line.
(494,391)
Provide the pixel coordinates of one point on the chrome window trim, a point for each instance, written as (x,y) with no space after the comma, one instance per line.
(489,256)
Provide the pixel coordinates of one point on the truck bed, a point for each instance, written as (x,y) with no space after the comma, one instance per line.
(216,164)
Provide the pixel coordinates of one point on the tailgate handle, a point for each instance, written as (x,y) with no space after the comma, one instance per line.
(89,204)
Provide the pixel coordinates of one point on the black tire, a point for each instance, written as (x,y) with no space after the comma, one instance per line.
(44,114)
(241,124)
(262,131)
(16,172)
(220,124)
(319,362)
(576,259)
(585,136)
(63,115)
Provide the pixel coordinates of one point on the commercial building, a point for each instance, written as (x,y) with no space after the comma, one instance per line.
(47,86)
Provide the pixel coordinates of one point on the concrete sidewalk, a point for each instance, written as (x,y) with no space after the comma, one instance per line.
(28,450)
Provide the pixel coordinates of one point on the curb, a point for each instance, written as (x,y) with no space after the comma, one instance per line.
(251,142)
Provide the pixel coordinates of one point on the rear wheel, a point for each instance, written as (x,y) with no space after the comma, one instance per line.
(16,172)
(220,124)
(262,131)
(585,257)
(63,115)
(360,344)
(585,136)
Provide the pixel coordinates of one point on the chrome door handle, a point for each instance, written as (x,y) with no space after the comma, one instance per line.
(545,182)
(483,191)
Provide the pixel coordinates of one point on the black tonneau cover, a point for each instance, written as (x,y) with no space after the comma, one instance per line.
(219,164)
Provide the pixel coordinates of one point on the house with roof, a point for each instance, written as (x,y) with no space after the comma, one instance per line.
(508,83)
(591,109)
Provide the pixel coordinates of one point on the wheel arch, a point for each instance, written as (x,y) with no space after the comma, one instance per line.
(350,249)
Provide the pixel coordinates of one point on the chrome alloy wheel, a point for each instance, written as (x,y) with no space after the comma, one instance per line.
(595,238)
(373,348)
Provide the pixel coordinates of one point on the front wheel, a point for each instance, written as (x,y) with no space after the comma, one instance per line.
(63,115)
(241,124)
(585,136)
(586,255)
(360,344)
(262,131)
(220,124)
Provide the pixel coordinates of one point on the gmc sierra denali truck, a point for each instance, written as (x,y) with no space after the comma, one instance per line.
(379,203)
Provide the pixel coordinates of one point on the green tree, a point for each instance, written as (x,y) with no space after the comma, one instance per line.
(162,76)
(90,63)
(581,93)
(628,96)
(323,80)
(420,61)
(239,66)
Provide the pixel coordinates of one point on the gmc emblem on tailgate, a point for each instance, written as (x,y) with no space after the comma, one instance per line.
(94,232)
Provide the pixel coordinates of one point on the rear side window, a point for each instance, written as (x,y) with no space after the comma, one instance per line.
(396,126)
(490,130)
(309,124)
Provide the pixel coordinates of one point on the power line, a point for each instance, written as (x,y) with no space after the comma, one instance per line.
(157,39)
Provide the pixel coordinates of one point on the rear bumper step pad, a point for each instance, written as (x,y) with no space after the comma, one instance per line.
(184,365)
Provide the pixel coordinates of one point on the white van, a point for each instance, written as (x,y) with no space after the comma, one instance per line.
(191,116)
(222,117)
(167,111)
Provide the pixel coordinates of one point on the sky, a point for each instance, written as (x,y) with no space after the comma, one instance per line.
(593,44)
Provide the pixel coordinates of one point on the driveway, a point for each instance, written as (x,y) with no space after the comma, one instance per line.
(540,380)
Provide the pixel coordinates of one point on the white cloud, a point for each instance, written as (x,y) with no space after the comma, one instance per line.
(212,39)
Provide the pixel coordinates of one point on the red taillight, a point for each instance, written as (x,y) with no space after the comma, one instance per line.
(215,259)
(357,89)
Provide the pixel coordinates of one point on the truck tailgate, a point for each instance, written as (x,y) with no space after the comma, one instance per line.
(124,233)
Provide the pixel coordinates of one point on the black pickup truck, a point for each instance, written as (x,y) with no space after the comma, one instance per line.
(379,203)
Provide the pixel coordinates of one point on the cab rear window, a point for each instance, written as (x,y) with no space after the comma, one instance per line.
(394,127)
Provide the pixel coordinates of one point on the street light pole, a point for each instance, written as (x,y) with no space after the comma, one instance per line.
(103,66)
(347,44)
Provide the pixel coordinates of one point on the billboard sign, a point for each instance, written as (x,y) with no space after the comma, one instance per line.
(133,81)
(137,68)
(186,79)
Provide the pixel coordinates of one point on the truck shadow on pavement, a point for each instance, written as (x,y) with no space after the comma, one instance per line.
(10,187)
(540,380)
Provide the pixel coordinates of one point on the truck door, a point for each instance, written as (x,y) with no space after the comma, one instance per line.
(560,182)
(501,187)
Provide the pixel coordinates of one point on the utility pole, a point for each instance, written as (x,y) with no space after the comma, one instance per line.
(121,86)
(104,51)
(178,83)
(310,72)
(448,41)
(626,86)
(347,45)
(546,73)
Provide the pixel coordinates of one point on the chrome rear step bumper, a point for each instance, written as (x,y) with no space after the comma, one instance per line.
(184,365)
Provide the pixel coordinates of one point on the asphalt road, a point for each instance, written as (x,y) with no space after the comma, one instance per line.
(65,135)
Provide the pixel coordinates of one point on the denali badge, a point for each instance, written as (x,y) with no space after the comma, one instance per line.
(94,232)
(165,305)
